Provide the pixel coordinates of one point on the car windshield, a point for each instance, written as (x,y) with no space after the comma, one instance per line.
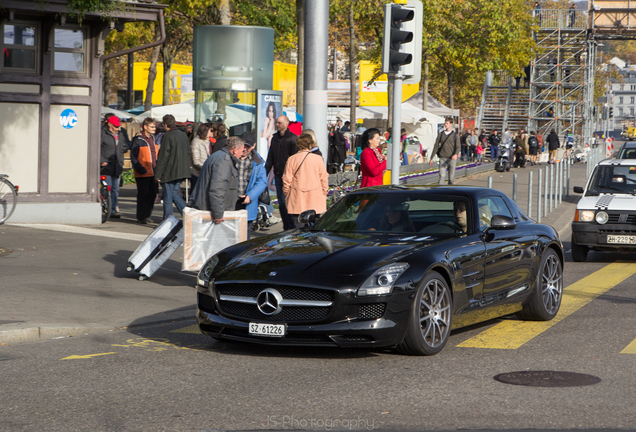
(397,213)
(628,153)
(612,179)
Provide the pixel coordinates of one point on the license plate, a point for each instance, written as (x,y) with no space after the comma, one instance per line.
(621,239)
(272,330)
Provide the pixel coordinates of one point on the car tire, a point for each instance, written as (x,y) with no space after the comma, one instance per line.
(431,318)
(579,252)
(543,304)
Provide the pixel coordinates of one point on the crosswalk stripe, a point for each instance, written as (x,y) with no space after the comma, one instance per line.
(630,349)
(512,334)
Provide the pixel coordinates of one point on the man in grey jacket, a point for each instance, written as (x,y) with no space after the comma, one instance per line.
(447,148)
(173,165)
(217,187)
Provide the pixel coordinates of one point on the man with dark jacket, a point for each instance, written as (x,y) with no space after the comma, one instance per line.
(553,145)
(217,187)
(173,165)
(143,156)
(113,147)
(494,140)
(447,148)
(283,146)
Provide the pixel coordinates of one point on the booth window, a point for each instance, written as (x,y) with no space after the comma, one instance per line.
(69,51)
(19,47)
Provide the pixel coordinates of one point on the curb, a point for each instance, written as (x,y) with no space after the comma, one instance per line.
(17,333)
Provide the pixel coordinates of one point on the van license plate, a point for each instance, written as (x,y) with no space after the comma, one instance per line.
(621,239)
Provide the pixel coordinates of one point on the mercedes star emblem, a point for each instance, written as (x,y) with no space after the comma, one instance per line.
(272,273)
(268,301)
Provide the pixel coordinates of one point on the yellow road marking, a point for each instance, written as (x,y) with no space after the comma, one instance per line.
(512,334)
(193,329)
(630,349)
(77,357)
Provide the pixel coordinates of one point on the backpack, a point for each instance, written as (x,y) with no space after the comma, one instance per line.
(533,142)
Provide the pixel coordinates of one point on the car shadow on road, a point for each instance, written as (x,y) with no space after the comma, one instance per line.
(178,328)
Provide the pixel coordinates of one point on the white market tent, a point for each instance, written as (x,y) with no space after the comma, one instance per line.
(417,122)
(119,114)
(184,112)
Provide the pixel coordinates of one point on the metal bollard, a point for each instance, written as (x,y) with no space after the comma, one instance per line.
(557,183)
(530,194)
(551,187)
(514,187)
(545,194)
(539,209)
(489,182)
(567,182)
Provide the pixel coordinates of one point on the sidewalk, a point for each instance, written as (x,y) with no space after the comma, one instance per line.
(62,280)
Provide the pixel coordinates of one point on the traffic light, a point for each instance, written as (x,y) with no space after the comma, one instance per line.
(402,42)
(611,112)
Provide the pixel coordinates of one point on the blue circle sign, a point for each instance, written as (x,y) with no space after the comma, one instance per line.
(68,118)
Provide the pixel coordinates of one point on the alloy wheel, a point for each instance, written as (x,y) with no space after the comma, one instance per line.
(435,313)
(552,284)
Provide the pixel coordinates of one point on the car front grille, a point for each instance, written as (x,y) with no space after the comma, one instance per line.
(299,338)
(617,232)
(289,313)
(289,293)
(371,311)
(235,301)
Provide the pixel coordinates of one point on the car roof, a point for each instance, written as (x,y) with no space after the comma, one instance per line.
(629,144)
(474,192)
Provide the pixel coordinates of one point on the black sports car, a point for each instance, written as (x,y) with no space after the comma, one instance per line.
(387,266)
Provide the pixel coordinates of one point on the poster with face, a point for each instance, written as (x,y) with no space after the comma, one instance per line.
(269,106)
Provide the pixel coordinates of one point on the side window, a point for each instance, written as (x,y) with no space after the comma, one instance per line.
(489,207)
(19,47)
(69,51)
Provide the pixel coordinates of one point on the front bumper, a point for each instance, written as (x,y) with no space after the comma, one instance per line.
(595,236)
(340,328)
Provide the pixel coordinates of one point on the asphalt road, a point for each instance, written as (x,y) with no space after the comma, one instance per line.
(169,377)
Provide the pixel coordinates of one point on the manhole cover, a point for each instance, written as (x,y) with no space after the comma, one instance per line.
(5,252)
(547,379)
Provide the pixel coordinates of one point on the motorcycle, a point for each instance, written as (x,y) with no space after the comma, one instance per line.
(503,161)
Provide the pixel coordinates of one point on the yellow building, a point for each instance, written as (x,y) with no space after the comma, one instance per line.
(180,75)
(375,94)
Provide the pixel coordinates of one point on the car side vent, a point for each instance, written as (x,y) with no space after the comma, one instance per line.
(371,311)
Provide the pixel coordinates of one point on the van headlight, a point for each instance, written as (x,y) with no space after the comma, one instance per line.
(602,217)
(586,215)
(382,281)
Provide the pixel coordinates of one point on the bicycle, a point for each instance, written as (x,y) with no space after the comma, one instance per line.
(8,197)
(105,199)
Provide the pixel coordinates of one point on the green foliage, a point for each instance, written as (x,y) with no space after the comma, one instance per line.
(128,177)
(80,8)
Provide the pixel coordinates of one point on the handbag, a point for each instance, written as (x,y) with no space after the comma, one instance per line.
(264,197)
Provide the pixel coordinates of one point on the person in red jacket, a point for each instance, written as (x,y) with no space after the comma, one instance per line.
(372,161)
(143,156)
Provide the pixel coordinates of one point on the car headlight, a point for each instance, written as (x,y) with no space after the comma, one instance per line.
(602,217)
(205,274)
(382,281)
(586,215)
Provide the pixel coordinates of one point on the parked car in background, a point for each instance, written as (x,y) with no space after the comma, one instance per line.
(627,151)
(387,266)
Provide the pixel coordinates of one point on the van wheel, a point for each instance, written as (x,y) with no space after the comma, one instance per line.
(579,252)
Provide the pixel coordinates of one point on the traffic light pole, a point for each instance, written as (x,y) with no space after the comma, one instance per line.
(396,133)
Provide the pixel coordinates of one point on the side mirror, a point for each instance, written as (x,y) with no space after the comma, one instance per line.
(577,189)
(307,217)
(501,222)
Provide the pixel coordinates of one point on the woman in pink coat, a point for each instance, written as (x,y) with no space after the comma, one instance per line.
(305,180)
(372,161)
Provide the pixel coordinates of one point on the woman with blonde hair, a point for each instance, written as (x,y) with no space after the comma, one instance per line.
(305,180)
